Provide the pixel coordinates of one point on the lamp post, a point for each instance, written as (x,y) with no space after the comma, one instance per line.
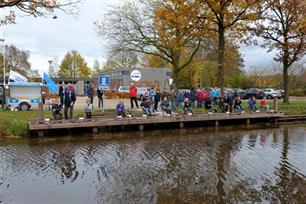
(3,93)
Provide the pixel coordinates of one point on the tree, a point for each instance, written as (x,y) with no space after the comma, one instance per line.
(283,29)
(35,8)
(74,66)
(229,20)
(16,60)
(96,69)
(167,29)
(121,59)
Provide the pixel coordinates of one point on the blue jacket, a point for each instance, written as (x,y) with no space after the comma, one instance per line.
(68,98)
(120,107)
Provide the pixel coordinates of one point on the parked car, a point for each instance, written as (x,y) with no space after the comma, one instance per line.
(271,93)
(124,89)
(228,91)
(282,92)
(240,92)
(141,91)
(258,93)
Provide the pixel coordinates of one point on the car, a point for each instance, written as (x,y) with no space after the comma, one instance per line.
(124,89)
(240,92)
(272,93)
(141,91)
(258,93)
(228,91)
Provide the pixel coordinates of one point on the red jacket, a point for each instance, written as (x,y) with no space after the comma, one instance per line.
(133,91)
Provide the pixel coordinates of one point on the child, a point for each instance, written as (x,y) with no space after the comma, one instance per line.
(145,105)
(187,106)
(120,108)
(88,108)
(57,110)
(264,104)
(252,104)
(237,104)
(165,106)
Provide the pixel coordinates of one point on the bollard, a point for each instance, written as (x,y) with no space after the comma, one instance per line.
(275,104)
(95,130)
(248,121)
(181,125)
(41,117)
(217,123)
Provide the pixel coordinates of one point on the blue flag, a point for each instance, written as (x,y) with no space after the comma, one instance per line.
(51,85)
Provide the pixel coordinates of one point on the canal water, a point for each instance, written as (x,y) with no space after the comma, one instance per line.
(225,165)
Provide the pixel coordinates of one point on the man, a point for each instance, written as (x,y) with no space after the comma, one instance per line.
(100,97)
(133,95)
(68,100)
(91,92)
(61,89)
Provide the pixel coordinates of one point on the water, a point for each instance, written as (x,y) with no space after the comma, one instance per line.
(169,166)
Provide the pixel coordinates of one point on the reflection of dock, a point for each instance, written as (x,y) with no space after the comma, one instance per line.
(94,124)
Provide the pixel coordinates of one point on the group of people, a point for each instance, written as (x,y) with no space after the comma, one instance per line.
(67,99)
(210,99)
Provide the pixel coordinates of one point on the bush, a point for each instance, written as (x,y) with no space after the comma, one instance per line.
(17,127)
(115,95)
(297,92)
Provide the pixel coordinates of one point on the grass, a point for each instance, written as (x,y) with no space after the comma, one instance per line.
(15,123)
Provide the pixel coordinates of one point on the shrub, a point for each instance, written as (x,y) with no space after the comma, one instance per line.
(17,127)
(297,92)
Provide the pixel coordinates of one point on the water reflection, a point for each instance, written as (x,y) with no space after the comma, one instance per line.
(189,166)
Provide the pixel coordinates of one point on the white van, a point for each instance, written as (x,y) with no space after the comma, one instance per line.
(24,95)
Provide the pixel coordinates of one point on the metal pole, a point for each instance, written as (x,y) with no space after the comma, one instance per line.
(4,84)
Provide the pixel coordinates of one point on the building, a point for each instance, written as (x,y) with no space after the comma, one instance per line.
(150,77)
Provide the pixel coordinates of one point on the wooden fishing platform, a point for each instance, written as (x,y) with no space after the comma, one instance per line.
(201,120)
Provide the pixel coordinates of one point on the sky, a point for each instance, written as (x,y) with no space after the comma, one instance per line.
(50,39)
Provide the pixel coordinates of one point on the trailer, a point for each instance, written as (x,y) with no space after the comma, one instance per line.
(24,95)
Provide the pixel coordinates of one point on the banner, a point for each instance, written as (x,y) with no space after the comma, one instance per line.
(51,85)
(16,77)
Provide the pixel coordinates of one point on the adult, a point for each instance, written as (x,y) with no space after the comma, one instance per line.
(68,100)
(193,94)
(100,97)
(61,89)
(90,92)
(215,94)
(133,95)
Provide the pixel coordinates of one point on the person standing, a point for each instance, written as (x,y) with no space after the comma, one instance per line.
(193,94)
(61,90)
(100,98)
(90,92)
(68,100)
(156,100)
(133,95)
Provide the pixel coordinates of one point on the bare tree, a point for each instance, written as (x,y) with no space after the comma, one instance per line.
(167,29)
(35,8)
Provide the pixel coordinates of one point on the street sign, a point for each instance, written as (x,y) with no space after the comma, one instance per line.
(104,82)
(135,75)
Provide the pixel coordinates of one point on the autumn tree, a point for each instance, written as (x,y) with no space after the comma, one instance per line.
(167,29)
(229,20)
(16,60)
(34,8)
(283,29)
(74,66)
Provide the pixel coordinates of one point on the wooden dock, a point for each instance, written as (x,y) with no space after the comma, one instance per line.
(97,123)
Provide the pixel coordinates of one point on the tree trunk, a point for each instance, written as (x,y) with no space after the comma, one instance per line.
(176,69)
(286,81)
(221,45)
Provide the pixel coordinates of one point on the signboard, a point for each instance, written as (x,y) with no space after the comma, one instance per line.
(135,75)
(104,82)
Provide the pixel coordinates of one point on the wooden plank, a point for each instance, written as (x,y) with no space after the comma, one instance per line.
(105,122)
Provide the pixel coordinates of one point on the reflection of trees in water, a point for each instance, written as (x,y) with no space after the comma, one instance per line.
(290,186)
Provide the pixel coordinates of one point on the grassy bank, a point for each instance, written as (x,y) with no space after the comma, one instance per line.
(15,123)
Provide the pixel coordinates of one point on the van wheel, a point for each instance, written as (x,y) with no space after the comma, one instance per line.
(24,107)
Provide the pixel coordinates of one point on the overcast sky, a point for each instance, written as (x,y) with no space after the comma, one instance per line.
(48,38)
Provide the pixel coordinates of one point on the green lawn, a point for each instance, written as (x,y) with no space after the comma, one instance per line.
(15,123)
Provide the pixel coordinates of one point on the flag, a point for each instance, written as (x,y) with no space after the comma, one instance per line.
(16,77)
(51,85)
